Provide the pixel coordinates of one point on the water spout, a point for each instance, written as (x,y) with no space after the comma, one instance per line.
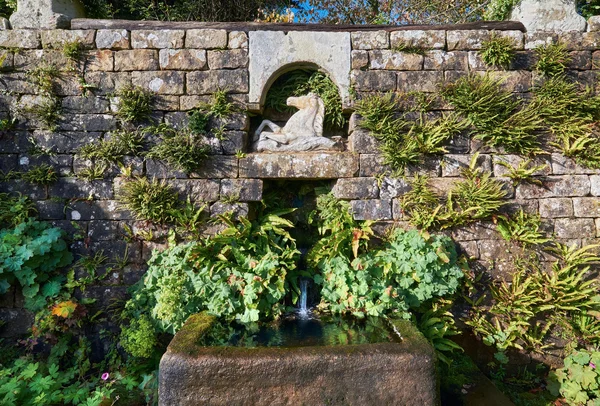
(303,311)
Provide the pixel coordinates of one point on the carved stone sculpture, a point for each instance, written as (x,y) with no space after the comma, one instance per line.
(303,131)
(46,14)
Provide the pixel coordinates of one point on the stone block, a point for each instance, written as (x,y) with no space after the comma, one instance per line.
(218,167)
(87,122)
(182,59)
(419,81)
(228,59)
(454,164)
(556,208)
(206,39)
(73,188)
(113,39)
(208,82)
(580,60)
(361,141)
(34,192)
(360,59)
(201,190)
(540,38)
(374,81)
(104,230)
(62,164)
(160,170)
(397,211)
(27,60)
(166,103)
(429,39)
(112,210)
(392,188)
(466,39)
(476,231)
(574,228)
(136,60)
(586,206)
(246,190)
(356,188)
(561,165)
(233,142)
(58,38)
(160,82)
(158,39)
(64,142)
(597,227)
(50,210)
(299,166)
(442,60)
(391,60)
(371,209)
(238,209)
(514,81)
(494,250)
(17,83)
(8,162)
(81,104)
(370,40)
(237,40)
(106,83)
(515,160)
(27,39)
(595,185)
(101,60)
(16,322)
(373,165)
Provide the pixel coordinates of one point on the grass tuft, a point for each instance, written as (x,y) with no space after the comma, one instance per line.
(135,104)
(148,200)
(498,51)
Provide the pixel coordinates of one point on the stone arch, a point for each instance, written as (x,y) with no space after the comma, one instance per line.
(273,53)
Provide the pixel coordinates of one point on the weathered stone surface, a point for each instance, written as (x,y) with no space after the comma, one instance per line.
(160,82)
(360,59)
(57,38)
(442,60)
(73,188)
(167,103)
(87,122)
(466,39)
(28,39)
(539,38)
(192,375)
(597,227)
(595,185)
(548,15)
(101,60)
(234,142)
(218,167)
(419,81)
(430,39)
(273,51)
(107,83)
(62,164)
(356,188)
(238,209)
(50,210)
(157,39)
(113,39)
(104,230)
(16,322)
(89,105)
(556,208)
(494,249)
(302,166)
(237,40)
(182,59)
(476,231)
(391,188)
(136,60)
(34,192)
(574,228)
(362,142)
(392,60)
(199,190)
(208,82)
(580,60)
(515,160)
(372,165)
(228,59)
(586,206)
(454,164)
(371,209)
(374,81)
(46,14)
(561,165)
(245,190)
(27,60)
(514,81)
(370,40)
(206,39)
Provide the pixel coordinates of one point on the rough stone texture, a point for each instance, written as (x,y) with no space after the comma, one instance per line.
(419,81)
(555,186)
(369,81)
(595,185)
(46,14)
(157,39)
(136,60)
(246,190)
(237,39)
(391,60)
(206,39)
(515,160)
(574,228)
(27,39)
(371,209)
(208,82)
(57,38)
(169,82)
(454,164)
(299,166)
(273,51)
(442,60)
(586,206)
(370,40)
(357,188)
(430,39)
(548,15)
(352,375)
(112,39)
(558,207)
(228,59)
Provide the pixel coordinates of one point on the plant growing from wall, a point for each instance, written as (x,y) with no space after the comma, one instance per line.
(552,58)
(408,49)
(524,172)
(498,51)
(43,175)
(522,228)
(114,148)
(15,210)
(135,104)
(150,200)
(180,149)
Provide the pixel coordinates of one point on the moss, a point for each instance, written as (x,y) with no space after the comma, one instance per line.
(185,341)
(411,337)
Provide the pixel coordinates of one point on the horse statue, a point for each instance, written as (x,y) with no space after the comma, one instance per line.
(303,131)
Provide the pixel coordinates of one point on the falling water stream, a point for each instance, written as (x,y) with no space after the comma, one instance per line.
(303,312)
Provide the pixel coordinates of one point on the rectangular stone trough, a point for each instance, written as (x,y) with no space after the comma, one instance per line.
(386,373)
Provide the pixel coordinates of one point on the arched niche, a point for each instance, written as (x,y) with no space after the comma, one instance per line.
(273,53)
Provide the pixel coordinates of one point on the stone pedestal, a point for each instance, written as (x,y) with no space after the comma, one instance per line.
(46,14)
(548,15)
(368,374)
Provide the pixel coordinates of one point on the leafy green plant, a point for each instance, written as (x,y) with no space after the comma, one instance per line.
(302,82)
(497,51)
(73,50)
(552,59)
(220,107)
(15,210)
(524,172)
(180,149)
(579,380)
(43,174)
(43,76)
(198,122)
(437,324)
(139,337)
(148,200)
(112,149)
(135,103)
(93,172)
(48,111)
(499,10)
(31,253)
(522,228)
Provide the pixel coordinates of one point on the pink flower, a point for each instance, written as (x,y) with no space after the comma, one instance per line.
(593,365)
(105,376)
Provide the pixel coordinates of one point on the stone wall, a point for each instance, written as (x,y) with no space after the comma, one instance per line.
(185,63)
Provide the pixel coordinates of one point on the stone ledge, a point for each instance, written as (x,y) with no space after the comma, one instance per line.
(299,166)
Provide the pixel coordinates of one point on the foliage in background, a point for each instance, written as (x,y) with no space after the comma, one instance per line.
(498,51)
(578,382)
(499,10)
(135,104)
(300,83)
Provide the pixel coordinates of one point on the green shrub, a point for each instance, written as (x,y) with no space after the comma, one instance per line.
(139,338)
(30,254)
(182,150)
(113,149)
(198,122)
(579,380)
(148,200)
(48,111)
(552,59)
(135,103)
(411,269)
(15,210)
(498,51)
(522,228)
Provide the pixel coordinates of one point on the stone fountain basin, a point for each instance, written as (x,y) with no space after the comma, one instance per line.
(385,373)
